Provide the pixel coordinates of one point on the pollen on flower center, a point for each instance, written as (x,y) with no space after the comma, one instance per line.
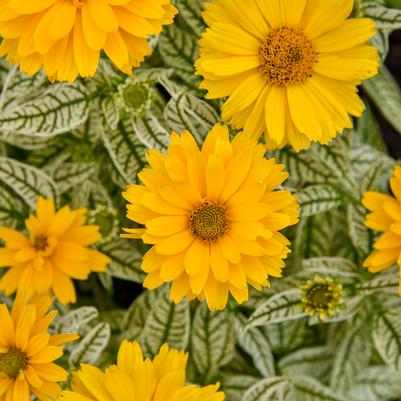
(79,3)
(209,221)
(12,362)
(286,56)
(40,243)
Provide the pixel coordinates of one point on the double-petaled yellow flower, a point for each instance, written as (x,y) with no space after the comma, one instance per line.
(134,378)
(55,251)
(290,68)
(66,37)
(28,351)
(212,216)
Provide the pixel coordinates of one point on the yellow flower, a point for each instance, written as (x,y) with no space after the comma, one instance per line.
(55,252)
(134,378)
(66,37)
(27,351)
(212,216)
(321,297)
(385,217)
(289,67)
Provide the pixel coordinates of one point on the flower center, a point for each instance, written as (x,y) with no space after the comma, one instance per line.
(208,222)
(79,3)
(40,243)
(320,296)
(12,362)
(287,56)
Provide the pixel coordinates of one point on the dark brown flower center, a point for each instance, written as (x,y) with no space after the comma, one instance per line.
(208,222)
(12,362)
(40,243)
(320,296)
(287,56)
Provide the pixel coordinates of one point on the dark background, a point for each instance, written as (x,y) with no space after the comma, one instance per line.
(393,62)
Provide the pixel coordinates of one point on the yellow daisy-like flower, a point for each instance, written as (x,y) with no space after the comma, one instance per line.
(134,378)
(321,297)
(212,216)
(290,68)
(55,251)
(66,37)
(28,352)
(385,217)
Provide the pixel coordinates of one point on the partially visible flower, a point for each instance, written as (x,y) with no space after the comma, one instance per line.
(55,252)
(28,352)
(386,218)
(134,378)
(213,217)
(106,219)
(66,37)
(290,68)
(321,297)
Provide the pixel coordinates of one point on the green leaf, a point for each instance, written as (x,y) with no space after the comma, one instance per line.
(317,199)
(125,260)
(125,149)
(330,265)
(387,337)
(60,109)
(212,340)
(179,50)
(235,386)
(26,181)
(187,112)
(264,390)
(304,388)
(352,355)
(384,283)
(376,383)
(256,345)
(110,111)
(69,175)
(384,92)
(73,320)
(361,236)
(136,315)
(384,17)
(11,209)
(167,323)
(279,308)
(190,11)
(310,361)
(91,346)
(151,132)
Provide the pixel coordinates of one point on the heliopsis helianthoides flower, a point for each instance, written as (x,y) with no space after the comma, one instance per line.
(66,37)
(136,379)
(54,252)
(385,217)
(28,352)
(321,297)
(212,216)
(290,68)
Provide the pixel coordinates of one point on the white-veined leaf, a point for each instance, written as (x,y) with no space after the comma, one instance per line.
(91,346)
(26,181)
(73,320)
(110,111)
(187,112)
(190,11)
(11,209)
(384,17)
(234,386)
(387,337)
(384,92)
(69,175)
(352,355)
(265,389)
(212,340)
(60,109)
(254,342)
(279,308)
(167,323)
(125,260)
(317,199)
(376,383)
